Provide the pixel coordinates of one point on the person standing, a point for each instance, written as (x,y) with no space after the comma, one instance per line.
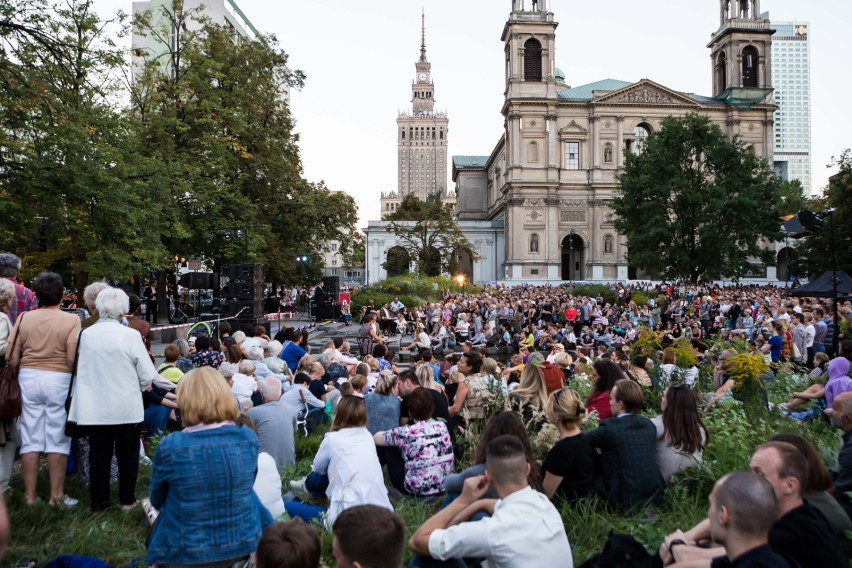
(25,300)
(112,371)
(150,295)
(45,342)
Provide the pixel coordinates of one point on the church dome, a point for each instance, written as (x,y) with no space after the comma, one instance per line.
(560,76)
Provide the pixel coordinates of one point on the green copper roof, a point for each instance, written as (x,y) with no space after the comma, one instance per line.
(461,162)
(583,93)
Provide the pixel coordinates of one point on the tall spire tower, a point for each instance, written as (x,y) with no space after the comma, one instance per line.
(421,137)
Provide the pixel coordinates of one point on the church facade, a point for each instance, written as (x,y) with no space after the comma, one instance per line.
(550,177)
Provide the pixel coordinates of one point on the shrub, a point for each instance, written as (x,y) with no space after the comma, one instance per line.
(595,290)
(639,298)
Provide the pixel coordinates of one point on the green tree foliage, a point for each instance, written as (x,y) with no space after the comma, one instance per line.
(694,203)
(428,231)
(812,256)
(72,180)
(212,113)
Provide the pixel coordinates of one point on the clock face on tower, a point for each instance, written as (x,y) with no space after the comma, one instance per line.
(422,76)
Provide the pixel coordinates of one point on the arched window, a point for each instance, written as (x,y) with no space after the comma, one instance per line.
(403,134)
(640,137)
(750,66)
(532,152)
(532,60)
(722,72)
(608,244)
(534,242)
(442,134)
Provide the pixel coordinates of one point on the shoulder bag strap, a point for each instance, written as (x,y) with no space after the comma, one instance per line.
(10,350)
(74,367)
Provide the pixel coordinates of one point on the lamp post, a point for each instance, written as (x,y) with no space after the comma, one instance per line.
(460,280)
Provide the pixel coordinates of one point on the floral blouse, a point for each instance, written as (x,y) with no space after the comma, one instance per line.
(208,358)
(428,455)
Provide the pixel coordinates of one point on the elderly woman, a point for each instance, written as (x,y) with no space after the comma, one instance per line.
(44,352)
(112,371)
(183,362)
(272,360)
(202,481)
(7,429)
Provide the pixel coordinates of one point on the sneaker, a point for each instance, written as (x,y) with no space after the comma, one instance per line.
(65,501)
(297,486)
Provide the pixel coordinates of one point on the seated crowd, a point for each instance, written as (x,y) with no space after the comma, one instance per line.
(232,407)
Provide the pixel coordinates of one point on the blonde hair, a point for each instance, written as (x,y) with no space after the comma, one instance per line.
(204,398)
(305,363)
(489,366)
(317,366)
(372,362)
(565,408)
(387,380)
(532,386)
(563,360)
(426,377)
(455,377)
(246,367)
(358,382)
(328,345)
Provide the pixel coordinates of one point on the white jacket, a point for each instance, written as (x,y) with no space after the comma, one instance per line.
(113,370)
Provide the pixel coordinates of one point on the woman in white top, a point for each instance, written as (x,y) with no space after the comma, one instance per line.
(681,435)
(671,373)
(346,468)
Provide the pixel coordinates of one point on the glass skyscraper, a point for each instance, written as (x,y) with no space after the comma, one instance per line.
(791,77)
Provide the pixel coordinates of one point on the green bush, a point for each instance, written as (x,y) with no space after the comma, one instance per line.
(411,290)
(593,290)
(639,298)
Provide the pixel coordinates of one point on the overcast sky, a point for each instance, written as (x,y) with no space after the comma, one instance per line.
(359,58)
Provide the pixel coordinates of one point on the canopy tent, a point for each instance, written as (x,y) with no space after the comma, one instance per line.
(822,287)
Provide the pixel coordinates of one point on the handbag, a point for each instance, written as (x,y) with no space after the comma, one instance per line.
(72,429)
(10,389)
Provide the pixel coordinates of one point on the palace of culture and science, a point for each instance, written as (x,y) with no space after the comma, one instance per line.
(535,206)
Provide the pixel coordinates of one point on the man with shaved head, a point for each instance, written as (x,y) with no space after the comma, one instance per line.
(742,511)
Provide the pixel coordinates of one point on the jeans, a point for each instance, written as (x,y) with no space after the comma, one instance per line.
(316,484)
(123,439)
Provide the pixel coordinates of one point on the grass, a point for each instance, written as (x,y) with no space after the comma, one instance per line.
(43,533)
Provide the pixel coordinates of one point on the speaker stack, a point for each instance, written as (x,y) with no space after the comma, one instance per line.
(244,291)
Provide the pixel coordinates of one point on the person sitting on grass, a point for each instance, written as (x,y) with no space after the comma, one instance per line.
(299,397)
(346,468)
(169,370)
(628,443)
(425,445)
(569,466)
(524,528)
(816,391)
(291,544)
(800,531)
(681,434)
(384,547)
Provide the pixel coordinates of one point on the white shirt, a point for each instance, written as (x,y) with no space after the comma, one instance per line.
(525,530)
(267,485)
(355,476)
(244,386)
(293,400)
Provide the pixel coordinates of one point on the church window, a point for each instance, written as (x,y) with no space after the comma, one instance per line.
(572,155)
(403,134)
(640,136)
(750,67)
(442,134)
(532,60)
(532,152)
(608,244)
(534,242)
(722,72)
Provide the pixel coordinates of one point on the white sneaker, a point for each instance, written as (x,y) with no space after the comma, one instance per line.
(297,486)
(65,502)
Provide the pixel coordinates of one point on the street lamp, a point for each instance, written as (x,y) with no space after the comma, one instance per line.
(460,280)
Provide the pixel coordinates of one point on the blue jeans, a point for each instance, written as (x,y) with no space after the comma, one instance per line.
(316,484)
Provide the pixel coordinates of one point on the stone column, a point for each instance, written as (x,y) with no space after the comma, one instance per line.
(594,151)
(619,150)
(552,153)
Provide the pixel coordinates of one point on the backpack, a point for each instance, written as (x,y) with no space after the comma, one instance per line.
(622,551)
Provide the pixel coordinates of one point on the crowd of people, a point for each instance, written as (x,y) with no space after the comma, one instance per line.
(230,408)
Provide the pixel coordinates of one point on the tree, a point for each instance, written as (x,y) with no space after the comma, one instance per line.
(812,256)
(428,231)
(72,179)
(694,203)
(212,114)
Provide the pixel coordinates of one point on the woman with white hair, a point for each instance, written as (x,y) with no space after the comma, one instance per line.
(7,429)
(272,360)
(113,369)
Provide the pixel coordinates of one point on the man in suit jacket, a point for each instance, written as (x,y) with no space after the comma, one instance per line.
(628,449)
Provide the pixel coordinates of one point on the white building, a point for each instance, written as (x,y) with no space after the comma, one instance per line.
(791,77)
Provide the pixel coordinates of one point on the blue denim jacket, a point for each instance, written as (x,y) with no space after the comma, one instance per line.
(201,482)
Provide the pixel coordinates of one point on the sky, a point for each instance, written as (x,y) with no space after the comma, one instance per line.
(358,57)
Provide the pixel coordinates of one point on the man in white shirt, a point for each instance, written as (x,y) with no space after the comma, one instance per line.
(524,529)
(395,306)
